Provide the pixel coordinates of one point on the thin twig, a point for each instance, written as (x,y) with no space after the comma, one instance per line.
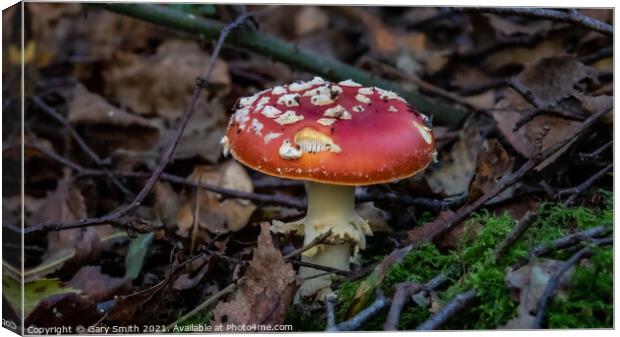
(224,192)
(597,56)
(451,308)
(76,136)
(526,221)
(584,186)
(420,83)
(570,240)
(525,92)
(597,152)
(317,240)
(81,142)
(554,281)
(330,301)
(426,203)
(571,16)
(431,230)
(404,291)
(358,320)
(201,83)
(320,267)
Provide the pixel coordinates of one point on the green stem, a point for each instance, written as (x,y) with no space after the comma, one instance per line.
(284,52)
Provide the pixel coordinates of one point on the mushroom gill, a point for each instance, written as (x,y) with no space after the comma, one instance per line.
(310,140)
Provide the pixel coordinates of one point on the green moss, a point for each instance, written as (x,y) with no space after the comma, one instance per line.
(588,302)
(419,265)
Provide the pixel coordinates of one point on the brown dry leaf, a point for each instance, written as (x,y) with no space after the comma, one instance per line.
(109,126)
(162,84)
(98,286)
(167,203)
(215,216)
(492,164)
(66,203)
(456,166)
(554,78)
(266,291)
(202,135)
(506,121)
(522,56)
(467,77)
(527,285)
(596,104)
(558,128)
(310,19)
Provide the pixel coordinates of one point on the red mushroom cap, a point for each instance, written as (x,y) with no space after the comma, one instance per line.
(342,134)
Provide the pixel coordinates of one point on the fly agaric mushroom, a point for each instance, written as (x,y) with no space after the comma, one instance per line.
(334,137)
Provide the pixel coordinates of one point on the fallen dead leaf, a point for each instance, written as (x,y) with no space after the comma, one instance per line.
(214,215)
(167,203)
(453,173)
(492,164)
(266,290)
(66,203)
(98,286)
(506,121)
(554,78)
(527,285)
(108,126)
(162,84)
(522,56)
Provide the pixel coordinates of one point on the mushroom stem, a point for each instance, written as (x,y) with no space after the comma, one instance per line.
(330,207)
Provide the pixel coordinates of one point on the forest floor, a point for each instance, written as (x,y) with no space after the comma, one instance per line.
(134,216)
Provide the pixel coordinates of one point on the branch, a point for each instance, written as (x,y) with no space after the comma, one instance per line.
(80,141)
(554,281)
(577,190)
(358,320)
(431,230)
(330,301)
(320,267)
(571,16)
(404,291)
(597,152)
(570,240)
(284,52)
(597,56)
(514,235)
(451,308)
(317,240)
(427,203)
(166,156)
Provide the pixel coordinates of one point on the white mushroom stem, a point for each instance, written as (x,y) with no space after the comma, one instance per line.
(329,207)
